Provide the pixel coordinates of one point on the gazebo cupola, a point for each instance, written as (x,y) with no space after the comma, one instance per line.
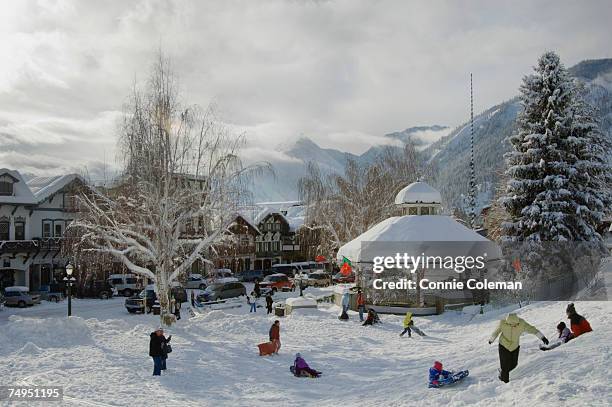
(418,198)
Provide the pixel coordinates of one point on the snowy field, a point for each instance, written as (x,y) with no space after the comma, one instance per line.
(101,358)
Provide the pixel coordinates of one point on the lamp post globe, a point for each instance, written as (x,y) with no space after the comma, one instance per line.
(69,269)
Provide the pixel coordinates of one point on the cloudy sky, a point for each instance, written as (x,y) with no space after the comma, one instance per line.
(340,72)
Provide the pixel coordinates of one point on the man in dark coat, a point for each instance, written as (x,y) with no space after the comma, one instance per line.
(269,302)
(257,289)
(157,350)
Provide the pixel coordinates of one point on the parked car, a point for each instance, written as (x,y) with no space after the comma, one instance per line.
(278,282)
(20,296)
(126,284)
(220,275)
(196,281)
(52,292)
(318,279)
(250,276)
(221,291)
(146,300)
(288,269)
(98,289)
(142,302)
(342,279)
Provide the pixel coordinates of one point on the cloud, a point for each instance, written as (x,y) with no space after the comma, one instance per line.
(341,72)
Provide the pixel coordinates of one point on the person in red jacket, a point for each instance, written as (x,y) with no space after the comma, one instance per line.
(275,335)
(360,304)
(578,323)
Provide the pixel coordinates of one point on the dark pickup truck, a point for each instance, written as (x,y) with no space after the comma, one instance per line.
(147,300)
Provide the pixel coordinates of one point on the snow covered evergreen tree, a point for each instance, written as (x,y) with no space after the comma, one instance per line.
(555,168)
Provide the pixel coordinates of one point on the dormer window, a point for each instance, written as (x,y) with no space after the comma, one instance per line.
(6,188)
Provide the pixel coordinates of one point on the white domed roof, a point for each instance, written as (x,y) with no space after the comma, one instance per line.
(418,192)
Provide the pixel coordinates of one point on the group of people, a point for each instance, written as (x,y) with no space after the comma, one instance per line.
(508,331)
(252,302)
(512,327)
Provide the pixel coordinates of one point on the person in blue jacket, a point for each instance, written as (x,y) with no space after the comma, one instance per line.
(435,372)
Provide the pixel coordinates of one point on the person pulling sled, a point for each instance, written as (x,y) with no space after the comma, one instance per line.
(301,369)
(509,331)
(409,326)
(439,377)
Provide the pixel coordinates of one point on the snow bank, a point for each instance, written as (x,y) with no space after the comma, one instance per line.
(303,302)
(33,333)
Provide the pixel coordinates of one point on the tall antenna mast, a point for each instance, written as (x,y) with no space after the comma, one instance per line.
(472,192)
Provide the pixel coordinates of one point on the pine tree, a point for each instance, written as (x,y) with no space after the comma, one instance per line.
(592,178)
(539,197)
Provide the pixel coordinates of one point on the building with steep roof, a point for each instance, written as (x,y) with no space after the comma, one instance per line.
(34,215)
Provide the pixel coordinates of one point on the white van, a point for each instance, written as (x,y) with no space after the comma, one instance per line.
(126,284)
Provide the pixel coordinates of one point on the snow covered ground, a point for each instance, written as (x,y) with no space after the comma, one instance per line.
(101,358)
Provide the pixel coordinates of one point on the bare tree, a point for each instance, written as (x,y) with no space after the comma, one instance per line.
(181,174)
(341,207)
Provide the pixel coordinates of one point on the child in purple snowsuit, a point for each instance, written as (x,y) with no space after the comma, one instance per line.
(300,366)
(435,372)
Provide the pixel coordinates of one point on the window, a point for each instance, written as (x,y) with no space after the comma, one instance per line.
(6,188)
(130,280)
(424,210)
(412,211)
(4,230)
(117,281)
(58,227)
(46,230)
(19,230)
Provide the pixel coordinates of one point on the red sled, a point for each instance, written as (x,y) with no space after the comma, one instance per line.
(267,348)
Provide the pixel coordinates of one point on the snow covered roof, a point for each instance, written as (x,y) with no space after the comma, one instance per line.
(37,189)
(44,187)
(418,192)
(21,192)
(416,231)
(294,214)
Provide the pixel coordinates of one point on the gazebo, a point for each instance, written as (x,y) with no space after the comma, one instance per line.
(423,232)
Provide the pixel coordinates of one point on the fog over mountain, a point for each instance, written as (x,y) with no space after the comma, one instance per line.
(448,149)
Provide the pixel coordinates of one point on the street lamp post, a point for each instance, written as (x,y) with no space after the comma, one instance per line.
(69,283)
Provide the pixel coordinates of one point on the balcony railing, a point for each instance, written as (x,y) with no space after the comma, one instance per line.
(19,246)
(31,246)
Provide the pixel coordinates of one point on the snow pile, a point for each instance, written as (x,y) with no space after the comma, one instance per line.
(301,302)
(215,360)
(44,333)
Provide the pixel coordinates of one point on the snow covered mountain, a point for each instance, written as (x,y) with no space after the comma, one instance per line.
(451,153)
(447,148)
(296,155)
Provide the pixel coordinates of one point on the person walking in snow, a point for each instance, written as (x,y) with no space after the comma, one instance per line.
(509,331)
(177,309)
(409,326)
(269,302)
(360,304)
(257,289)
(346,301)
(565,335)
(157,350)
(252,301)
(578,323)
(275,335)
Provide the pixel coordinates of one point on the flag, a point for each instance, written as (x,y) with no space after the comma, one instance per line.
(346,269)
